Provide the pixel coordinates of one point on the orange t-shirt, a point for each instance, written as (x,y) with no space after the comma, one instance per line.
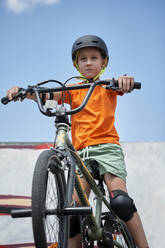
(95,123)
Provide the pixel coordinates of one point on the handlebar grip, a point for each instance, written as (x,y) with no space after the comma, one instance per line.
(137,85)
(5,100)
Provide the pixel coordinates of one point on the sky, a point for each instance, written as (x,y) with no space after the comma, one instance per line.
(36,37)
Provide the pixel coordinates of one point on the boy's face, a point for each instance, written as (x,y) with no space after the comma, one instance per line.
(90,62)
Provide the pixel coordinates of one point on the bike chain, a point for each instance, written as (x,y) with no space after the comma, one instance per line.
(84,235)
(84,228)
(114,223)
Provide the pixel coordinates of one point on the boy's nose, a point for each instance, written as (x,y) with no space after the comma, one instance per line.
(88,61)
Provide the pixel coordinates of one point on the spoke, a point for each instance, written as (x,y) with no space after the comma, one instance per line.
(51,221)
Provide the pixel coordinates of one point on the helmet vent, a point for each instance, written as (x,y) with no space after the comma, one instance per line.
(79,43)
(94,41)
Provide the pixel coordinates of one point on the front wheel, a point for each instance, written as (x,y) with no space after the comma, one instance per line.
(48,193)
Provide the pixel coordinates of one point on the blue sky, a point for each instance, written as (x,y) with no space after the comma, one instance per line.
(35,45)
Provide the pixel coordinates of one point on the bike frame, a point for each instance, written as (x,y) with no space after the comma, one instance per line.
(63,143)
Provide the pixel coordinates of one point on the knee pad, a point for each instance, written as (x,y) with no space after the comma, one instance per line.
(122,204)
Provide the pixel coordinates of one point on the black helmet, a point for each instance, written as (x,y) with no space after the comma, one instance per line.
(89,41)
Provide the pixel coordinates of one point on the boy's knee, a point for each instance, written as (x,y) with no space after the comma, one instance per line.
(122,204)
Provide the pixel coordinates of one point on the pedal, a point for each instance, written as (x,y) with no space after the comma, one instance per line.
(70,211)
(21,213)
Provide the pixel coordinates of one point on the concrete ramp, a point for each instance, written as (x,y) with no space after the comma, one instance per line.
(16,170)
(146,171)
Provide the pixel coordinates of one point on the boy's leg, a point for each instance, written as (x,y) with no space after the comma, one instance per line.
(75,242)
(134,224)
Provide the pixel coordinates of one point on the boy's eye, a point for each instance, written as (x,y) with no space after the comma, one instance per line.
(82,58)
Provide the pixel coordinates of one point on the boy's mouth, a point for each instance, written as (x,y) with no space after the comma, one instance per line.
(89,70)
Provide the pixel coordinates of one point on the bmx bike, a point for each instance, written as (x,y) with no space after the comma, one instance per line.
(55,177)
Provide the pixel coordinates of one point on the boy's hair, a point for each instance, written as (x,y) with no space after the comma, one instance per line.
(89,41)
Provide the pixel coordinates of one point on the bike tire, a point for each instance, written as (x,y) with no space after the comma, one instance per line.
(48,192)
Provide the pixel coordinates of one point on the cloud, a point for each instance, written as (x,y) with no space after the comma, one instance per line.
(19,6)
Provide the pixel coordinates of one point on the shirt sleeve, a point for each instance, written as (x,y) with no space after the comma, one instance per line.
(115,92)
(120,93)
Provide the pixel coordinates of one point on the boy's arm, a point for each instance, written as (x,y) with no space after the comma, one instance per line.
(14,90)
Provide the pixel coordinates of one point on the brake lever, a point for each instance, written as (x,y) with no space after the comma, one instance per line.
(22,94)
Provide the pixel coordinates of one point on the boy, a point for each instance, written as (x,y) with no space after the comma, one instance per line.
(94,134)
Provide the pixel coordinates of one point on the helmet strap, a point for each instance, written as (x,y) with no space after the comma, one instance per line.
(75,62)
(102,70)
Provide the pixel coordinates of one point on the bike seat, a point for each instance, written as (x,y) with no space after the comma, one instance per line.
(96,174)
(95,169)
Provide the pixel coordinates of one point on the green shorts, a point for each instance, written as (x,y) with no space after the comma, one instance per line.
(110,158)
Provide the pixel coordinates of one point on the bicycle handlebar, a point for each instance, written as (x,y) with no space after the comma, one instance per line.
(109,84)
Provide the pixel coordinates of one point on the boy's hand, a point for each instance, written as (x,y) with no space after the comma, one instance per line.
(12,92)
(126,83)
